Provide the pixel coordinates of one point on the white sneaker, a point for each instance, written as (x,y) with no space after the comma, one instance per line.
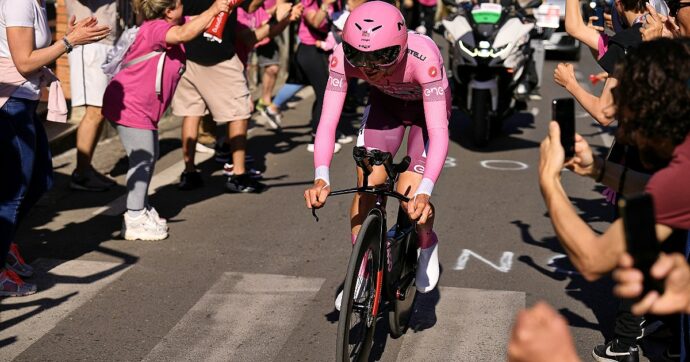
(202,148)
(344,139)
(338,301)
(159,220)
(142,227)
(336,148)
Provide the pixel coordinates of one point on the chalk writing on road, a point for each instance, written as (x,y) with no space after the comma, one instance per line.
(450,162)
(504,264)
(504,165)
(556,260)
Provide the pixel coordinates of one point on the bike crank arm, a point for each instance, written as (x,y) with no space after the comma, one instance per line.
(401,291)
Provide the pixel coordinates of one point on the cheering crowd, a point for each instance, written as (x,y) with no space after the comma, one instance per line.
(642,51)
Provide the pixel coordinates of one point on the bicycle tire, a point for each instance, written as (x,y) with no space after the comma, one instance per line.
(354,344)
(400,311)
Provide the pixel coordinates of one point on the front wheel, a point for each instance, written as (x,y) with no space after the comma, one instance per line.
(481,116)
(361,293)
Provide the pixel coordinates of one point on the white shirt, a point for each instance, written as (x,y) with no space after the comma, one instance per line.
(25,13)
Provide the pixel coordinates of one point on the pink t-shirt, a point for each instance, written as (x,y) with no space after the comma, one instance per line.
(428,3)
(306,34)
(250,21)
(602,45)
(130,98)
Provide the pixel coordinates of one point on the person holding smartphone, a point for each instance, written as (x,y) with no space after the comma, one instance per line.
(661,132)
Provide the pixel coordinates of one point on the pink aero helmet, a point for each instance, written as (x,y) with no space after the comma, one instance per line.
(375,35)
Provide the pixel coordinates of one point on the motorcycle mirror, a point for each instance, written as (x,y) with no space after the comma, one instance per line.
(533,4)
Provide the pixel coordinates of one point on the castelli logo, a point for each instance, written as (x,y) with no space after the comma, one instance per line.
(334,62)
(433,71)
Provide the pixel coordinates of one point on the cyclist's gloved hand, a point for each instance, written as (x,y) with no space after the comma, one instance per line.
(419,208)
(316,195)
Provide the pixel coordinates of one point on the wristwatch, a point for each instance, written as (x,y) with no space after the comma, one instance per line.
(68,47)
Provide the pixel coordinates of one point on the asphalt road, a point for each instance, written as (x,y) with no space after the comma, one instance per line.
(253,277)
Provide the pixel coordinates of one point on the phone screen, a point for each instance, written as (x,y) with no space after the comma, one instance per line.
(640,236)
(563,112)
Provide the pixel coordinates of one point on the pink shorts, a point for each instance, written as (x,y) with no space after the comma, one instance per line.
(383,127)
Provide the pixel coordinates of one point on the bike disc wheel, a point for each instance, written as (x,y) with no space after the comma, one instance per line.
(400,311)
(359,306)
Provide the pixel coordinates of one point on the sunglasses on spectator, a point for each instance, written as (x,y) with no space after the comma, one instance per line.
(675,6)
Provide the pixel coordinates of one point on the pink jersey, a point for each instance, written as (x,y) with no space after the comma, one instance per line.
(419,76)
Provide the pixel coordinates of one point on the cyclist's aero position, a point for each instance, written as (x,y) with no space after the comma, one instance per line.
(410,89)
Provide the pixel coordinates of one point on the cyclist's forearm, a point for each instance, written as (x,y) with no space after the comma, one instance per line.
(325,133)
(436,158)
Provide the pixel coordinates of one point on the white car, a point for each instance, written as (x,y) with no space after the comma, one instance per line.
(559,42)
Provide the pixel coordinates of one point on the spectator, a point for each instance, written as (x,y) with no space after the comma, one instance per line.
(136,108)
(312,60)
(673,269)
(655,70)
(610,51)
(25,51)
(215,82)
(268,55)
(540,334)
(87,84)
(256,29)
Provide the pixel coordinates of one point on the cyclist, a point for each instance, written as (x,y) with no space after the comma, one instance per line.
(409,89)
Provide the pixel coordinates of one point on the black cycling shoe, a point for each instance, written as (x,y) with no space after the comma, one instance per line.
(616,352)
(190,180)
(243,184)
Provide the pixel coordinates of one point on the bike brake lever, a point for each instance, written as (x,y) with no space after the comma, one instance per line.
(313,213)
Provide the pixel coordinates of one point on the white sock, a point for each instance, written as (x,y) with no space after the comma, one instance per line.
(135,213)
(427,269)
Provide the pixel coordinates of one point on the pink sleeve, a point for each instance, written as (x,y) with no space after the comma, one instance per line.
(436,99)
(333,101)
(157,32)
(603,45)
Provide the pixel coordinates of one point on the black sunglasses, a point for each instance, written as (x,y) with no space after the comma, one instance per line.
(675,6)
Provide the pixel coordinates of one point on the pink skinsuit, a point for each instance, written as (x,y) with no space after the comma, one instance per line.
(415,95)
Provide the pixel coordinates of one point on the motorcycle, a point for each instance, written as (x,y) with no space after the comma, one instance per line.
(490,52)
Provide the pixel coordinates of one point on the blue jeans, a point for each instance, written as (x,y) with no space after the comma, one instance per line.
(286,92)
(25,164)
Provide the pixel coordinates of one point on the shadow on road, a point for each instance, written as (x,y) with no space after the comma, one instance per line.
(508,138)
(597,296)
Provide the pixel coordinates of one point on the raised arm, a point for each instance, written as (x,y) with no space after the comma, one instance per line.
(191,29)
(284,14)
(564,75)
(316,16)
(577,28)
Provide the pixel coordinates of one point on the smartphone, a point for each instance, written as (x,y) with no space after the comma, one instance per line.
(563,112)
(640,237)
(599,13)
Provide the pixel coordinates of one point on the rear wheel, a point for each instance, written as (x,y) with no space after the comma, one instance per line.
(361,293)
(405,256)
(481,116)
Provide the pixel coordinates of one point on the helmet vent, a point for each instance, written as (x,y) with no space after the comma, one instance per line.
(368,21)
(358,27)
(376,28)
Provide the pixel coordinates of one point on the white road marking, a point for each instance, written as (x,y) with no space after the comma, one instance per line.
(504,264)
(472,325)
(450,162)
(243,317)
(510,165)
(62,290)
(552,263)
